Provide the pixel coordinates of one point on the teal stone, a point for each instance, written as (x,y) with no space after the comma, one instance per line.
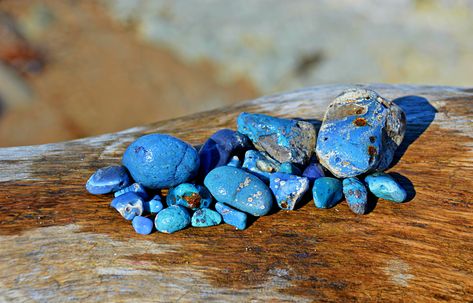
(172,219)
(205,217)
(327,192)
(289,168)
(232,216)
(356,195)
(385,187)
(189,195)
(260,164)
(288,189)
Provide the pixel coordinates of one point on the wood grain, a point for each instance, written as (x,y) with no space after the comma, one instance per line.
(58,243)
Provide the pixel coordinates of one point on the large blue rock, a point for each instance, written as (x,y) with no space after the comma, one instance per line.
(239,189)
(128,205)
(205,217)
(285,140)
(327,192)
(161,161)
(385,187)
(172,219)
(108,179)
(360,133)
(232,216)
(288,189)
(189,195)
(356,195)
(260,164)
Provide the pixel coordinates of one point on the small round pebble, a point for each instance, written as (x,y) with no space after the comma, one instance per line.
(108,179)
(189,195)
(385,187)
(356,195)
(327,192)
(142,225)
(232,216)
(205,217)
(154,205)
(172,219)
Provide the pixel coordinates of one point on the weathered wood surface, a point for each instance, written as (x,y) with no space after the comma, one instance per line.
(58,243)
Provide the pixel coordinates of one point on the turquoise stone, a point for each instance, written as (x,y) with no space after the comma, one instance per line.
(385,187)
(288,189)
(154,205)
(356,195)
(205,217)
(327,192)
(189,195)
(260,164)
(172,219)
(232,216)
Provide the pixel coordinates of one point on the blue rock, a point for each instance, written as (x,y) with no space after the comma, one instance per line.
(235,162)
(360,133)
(189,195)
(260,164)
(289,168)
(172,219)
(313,172)
(205,217)
(232,216)
(219,148)
(240,190)
(134,188)
(385,187)
(154,205)
(327,192)
(128,205)
(288,189)
(142,225)
(284,140)
(108,179)
(161,161)
(356,195)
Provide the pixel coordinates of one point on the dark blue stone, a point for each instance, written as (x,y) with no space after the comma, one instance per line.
(356,195)
(288,189)
(205,217)
(385,187)
(128,205)
(172,219)
(108,179)
(260,164)
(154,205)
(189,195)
(142,225)
(232,216)
(327,192)
(134,188)
(313,172)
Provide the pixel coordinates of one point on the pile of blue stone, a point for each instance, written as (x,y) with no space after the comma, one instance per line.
(268,163)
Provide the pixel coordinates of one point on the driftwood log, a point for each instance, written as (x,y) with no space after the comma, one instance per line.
(58,243)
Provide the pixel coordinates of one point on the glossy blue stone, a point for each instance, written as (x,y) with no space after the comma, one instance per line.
(172,219)
(285,140)
(360,133)
(189,195)
(232,216)
(161,161)
(288,189)
(154,205)
(289,168)
(260,164)
(219,148)
(128,205)
(235,162)
(385,187)
(327,192)
(205,217)
(313,171)
(108,179)
(240,190)
(356,195)
(134,188)
(142,225)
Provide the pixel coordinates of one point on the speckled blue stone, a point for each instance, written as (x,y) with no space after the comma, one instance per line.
(327,192)
(219,148)
(108,179)
(134,188)
(313,171)
(142,225)
(356,195)
(154,205)
(189,195)
(205,217)
(284,140)
(260,164)
(360,133)
(128,205)
(385,187)
(232,216)
(288,189)
(172,219)
(239,189)
(235,162)
(289,168)
(161,161)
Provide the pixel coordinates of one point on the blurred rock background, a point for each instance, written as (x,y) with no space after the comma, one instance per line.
(70,69)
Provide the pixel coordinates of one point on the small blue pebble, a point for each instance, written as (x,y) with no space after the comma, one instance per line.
(232,216)
(154,205)
(356,195)
(235,162)
(108,179)
(260,164)
(313,171)
(327,192)
(142,225)
(128,205)
(172,219)
(385,187)
(288,189)
(189,195)
(289,168)
(205,217)
(134,188)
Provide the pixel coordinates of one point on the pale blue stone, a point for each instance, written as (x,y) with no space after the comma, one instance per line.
(289,168)
(205,217)
(172,219)
(288,189)
(108,179)
(154,205)
(142,225)
(232,216)
(385,187)
(134,188)
(327,192)
(189,195)
(260,164)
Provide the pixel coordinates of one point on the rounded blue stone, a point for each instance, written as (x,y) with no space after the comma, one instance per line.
(172,219)
(356,195)
(327,192)
(142,225)
(189,195)
(128,205)
(385,187)
(108,179)
(205,217)
(232,216)
(154,205)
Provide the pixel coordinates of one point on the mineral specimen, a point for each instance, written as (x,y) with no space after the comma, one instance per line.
(260,164)
(356,195)
(142,225)
(232,216)
(205,217)
(108,179)
(128,205)
(327,192)
(172,219)
(189,195)
(288,189)
(384,186)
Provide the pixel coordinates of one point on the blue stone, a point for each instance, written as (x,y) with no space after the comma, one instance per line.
(240,190)
(360,133)
(235,162)
(219,148)
(313,172)
(385,187)
(108,179)
(205,217)
(285,140)
(128,205)
(260,164)
(142,225)
(134,188)
(289,168)
(154,205)
(172,219)
(189,195)
(327,192)
(356,195)
(232,216)
(161,161)
(288,189)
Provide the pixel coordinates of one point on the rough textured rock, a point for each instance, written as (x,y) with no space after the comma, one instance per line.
(172,219)
(260,164)
(356,195)
(189,195)
(205,217)
(288,189)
